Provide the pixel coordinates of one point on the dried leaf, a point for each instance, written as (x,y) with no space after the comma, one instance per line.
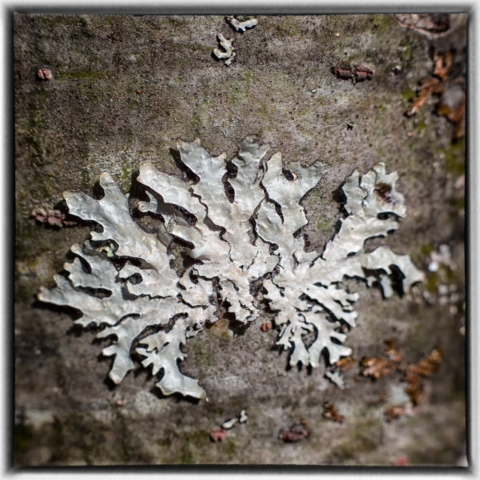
(346,363)
(266,326)
(402,461)
(297,432)
(362,73)
(393,412)
(54,218)
(416,392)
(414,373)
(453,110)
(377,367)
(443,64)
(433,84)
(391,352)
(330,413)
(427,87)
(427,365)
(218,434)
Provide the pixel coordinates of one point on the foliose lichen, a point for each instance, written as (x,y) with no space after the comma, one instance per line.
(237,229)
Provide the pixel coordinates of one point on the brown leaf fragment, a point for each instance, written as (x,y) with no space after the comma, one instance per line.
(289,436)
(452,101)
(55,221)
(330,413)
(218,434)
(433,84)
(44,74)
(428,23)
(393,412)
(391,352)
(298,431)
(416,393)
(54,218)
(376,367)
(418,102)
(402,461)
(384,192)
(358,73)
(346,363)
(427,365)
(363,73)
(459,131)
(266,326)
(39,214)
(414,373)
(343,71)
(427,87)
(443,64)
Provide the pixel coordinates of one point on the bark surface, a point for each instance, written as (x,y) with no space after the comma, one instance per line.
(123,90)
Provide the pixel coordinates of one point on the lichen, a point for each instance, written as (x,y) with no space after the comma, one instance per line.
(237,225)
(229,53)
(242,26)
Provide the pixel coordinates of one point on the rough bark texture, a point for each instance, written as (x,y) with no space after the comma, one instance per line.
(124,88)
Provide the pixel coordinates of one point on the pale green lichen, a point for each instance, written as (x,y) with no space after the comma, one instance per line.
(228,229)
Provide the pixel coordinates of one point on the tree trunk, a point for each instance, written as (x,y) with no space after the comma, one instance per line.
(123,90)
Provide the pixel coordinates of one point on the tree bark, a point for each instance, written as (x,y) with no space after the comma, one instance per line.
(123,90)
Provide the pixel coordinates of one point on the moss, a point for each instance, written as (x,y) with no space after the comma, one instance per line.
(323,224)
(88,73)
(407,52)
(237,94)
(362,438)
(59,20)
(458,204)
(321,100)
(408,95)
(186,447)
(440,448)
(383,22)
(419,255)
(27,236)
(455,157)
(288,26)
(229,446)
(41,92)
(444,274)
(203,355)
(123,179)
(22,441)
(426,249)
(421,124)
